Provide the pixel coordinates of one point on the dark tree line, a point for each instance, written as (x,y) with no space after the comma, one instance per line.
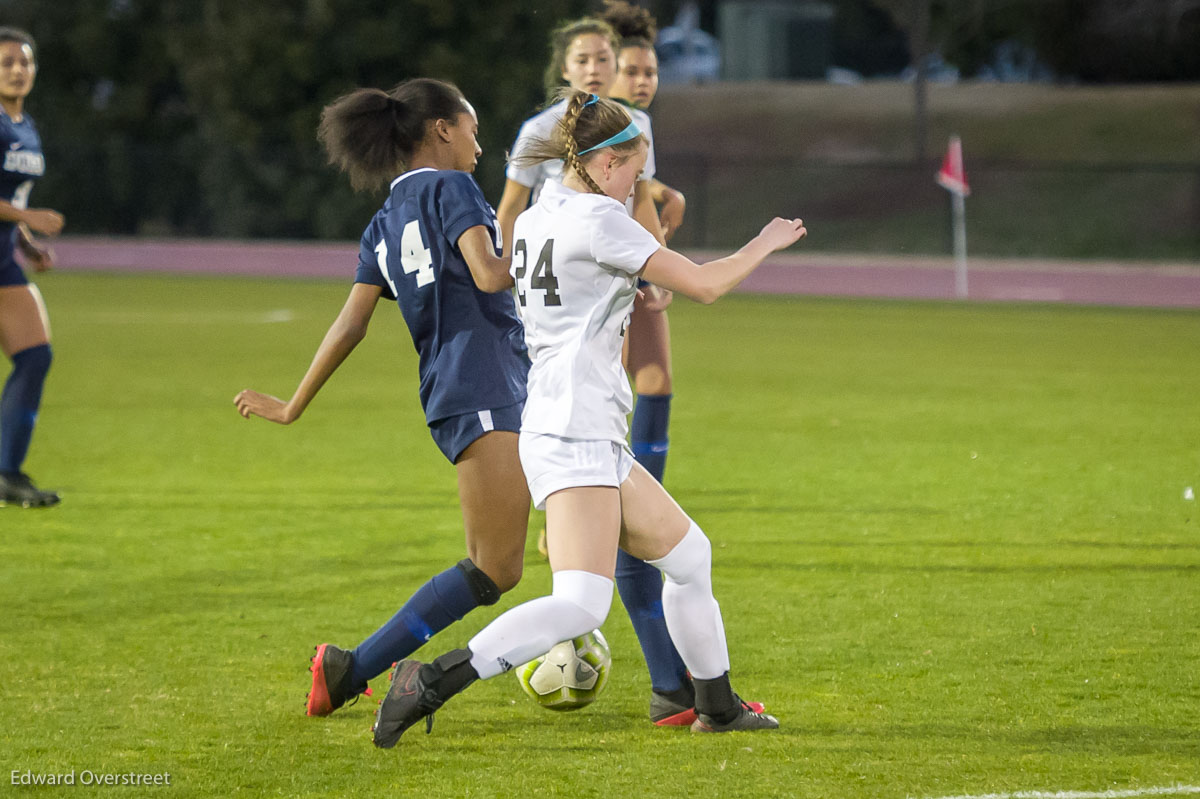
(1109,41)
(197,117)
(1104,41)
(1093,40)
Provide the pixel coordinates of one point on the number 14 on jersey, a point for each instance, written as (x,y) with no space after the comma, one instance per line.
(415,258)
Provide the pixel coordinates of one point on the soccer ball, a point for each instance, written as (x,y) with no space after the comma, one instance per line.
(571,675)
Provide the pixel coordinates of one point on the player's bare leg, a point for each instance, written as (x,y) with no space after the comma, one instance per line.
(25,340)
(495,506)
(24,321)
(582,528)
(648,351)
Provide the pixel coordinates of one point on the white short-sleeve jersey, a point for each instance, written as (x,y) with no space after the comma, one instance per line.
(541,126)
(576,258)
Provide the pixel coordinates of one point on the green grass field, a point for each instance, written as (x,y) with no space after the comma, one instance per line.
(951,547)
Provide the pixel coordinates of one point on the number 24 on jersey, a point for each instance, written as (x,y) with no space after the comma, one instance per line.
(543,277)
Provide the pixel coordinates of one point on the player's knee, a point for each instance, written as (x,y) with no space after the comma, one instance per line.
(690,559)
(590,593)
(507,577)
(485,589)
(652,379)
(502,565)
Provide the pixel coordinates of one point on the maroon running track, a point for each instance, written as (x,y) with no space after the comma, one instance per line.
(989,279)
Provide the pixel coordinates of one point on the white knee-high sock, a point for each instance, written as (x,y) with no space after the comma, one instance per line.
(578,604)
(692,614)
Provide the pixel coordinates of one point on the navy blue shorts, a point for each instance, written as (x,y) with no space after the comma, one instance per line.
(455,433)
(11,273)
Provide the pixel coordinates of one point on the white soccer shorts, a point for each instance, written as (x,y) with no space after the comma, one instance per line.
(552,463)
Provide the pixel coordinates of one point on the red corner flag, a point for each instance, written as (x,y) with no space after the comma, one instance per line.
(951,176)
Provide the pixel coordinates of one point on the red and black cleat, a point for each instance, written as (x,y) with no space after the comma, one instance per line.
(331,674)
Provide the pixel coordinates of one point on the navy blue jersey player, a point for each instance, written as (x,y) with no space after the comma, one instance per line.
(24,323)
(471,344)
(433,247)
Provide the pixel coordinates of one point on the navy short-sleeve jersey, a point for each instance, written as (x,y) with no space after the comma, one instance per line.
(471,344)
(23,163)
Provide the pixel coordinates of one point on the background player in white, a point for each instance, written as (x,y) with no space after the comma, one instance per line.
(24,323)
(583,57)
(635,86)
(431,248)
(576,260)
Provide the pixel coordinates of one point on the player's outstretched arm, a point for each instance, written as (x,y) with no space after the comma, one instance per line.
(707,282)
(343,336)
(489,271)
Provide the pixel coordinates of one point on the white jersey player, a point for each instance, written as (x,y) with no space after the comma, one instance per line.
(585,59)
(575,313)
(584,56)
(576,260)
(540,127)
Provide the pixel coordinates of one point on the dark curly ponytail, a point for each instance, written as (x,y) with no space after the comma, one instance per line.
(370,134)
(635,25)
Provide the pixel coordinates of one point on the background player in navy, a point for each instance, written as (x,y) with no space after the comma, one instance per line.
(24,323)
(434,248)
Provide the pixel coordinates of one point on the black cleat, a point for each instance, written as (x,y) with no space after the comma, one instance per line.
(17,489)
(746,719)
(409,699)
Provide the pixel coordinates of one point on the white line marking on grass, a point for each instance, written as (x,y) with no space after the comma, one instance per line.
(1170,790)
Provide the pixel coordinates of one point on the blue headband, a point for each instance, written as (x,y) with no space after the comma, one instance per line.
(632,131)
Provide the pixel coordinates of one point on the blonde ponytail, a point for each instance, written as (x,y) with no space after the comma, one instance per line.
(570,121)
(585,124)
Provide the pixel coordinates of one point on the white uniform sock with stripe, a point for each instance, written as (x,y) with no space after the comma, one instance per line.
(692,613)
(578,604)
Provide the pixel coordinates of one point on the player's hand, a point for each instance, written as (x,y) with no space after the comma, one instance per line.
(654,298)
(671,216)
(44,221)
(780,234)
(252,403)
(40,258)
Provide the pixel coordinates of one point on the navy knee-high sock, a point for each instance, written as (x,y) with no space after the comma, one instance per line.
(19,404)
(445,599)
(648,432)
(640,586)
(639,583)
